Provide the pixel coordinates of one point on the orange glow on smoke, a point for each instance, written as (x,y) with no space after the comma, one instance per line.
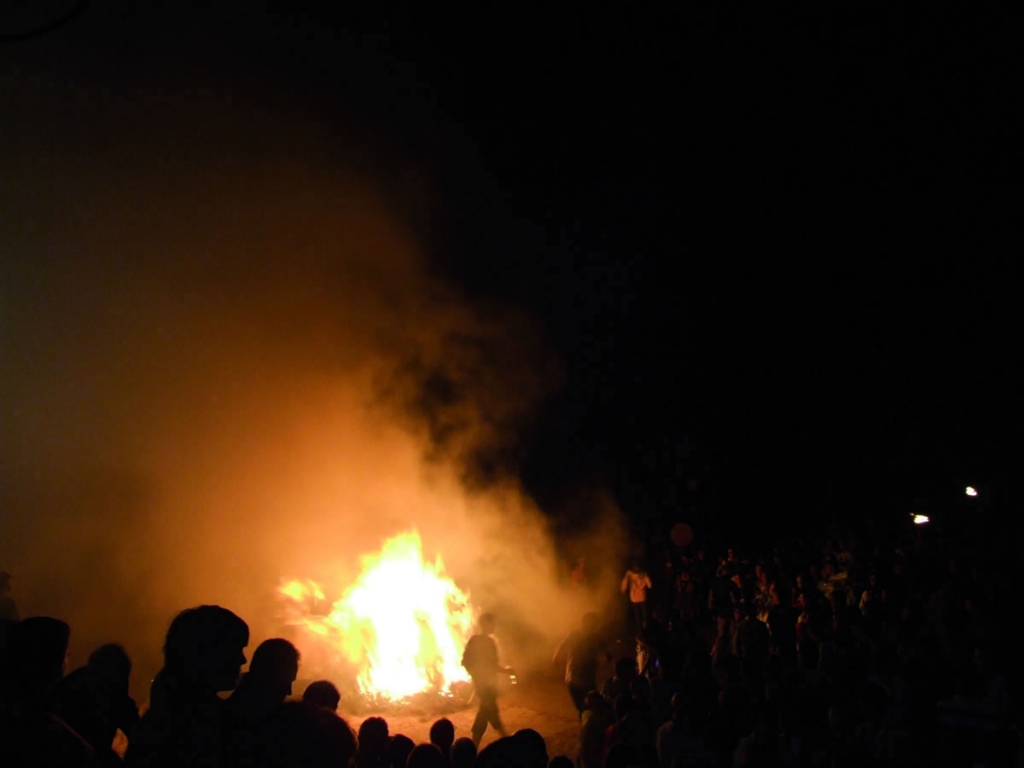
(403,623)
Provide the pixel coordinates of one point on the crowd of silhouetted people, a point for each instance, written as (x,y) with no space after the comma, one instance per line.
(53,719)
(884,652)
(840,654)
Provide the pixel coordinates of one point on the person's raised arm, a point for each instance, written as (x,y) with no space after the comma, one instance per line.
(625,583)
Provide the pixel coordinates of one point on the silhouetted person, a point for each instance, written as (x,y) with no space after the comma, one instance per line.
(374,743)
(426,756)
(258,698)
(504,753)
(30,733)
(481,661)
(618,685)
(323,693)
(463,753)
(560,761)
(761,748)
(442,736)
(94,700)
(303,734)
(597,718)
(8,608)
(534,747)
(637,728)
(614,736)
(679,739)
(273,669)
(579,654)
(401,747)
(203,655)
(111,664)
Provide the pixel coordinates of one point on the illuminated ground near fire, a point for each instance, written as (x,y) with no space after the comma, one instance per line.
(540,702)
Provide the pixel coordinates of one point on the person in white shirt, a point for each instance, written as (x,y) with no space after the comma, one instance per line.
(637,582)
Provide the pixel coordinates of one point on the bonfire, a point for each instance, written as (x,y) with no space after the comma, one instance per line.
(401,627)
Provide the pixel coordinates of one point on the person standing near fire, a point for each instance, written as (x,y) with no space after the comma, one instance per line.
(637,582)
(481,661)
(578,656)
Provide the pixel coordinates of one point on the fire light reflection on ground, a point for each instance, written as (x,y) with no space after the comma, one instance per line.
(540,702)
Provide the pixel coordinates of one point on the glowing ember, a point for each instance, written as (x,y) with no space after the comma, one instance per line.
(403,624)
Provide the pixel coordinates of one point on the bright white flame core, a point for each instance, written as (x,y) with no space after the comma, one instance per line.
(971,491)
(403,623)
(920,519)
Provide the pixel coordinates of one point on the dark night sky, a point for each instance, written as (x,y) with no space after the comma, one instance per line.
(775,243)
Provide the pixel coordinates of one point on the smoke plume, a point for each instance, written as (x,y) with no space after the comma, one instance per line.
(226,360)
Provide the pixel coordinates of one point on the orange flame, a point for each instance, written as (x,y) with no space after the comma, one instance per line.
(403,623)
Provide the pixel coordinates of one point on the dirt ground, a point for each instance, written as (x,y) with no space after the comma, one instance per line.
(539,701)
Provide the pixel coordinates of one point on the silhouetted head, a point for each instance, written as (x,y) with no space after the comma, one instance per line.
(275,665)
(204,649)
(625,668)
(401,747)
(487,623)
(37,657)
(374,741)
(560,761)
(463,753)
(308,735)
(640,689)
(111,663)
(338,737)
(506,751)
(534,746)
(426,756)
(442,735)
(323,693)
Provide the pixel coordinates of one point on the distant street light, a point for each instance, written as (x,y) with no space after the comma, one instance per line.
(971,491)
(920,519)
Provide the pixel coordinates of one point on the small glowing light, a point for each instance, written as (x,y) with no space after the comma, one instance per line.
(971,491)
(920,519)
